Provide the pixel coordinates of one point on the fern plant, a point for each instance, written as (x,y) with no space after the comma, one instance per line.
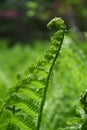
(23,106)
(79,122)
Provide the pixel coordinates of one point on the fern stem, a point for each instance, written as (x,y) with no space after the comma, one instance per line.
(48,78)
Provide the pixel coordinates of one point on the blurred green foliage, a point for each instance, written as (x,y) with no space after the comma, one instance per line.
(69,80)
(66,87)
(71,69)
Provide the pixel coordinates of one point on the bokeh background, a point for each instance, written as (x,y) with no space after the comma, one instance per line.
(23,39)
(26,20)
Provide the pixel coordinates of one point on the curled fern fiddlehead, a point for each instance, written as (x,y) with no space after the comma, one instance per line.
(24,103)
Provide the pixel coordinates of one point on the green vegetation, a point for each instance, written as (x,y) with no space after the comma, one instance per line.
(23,93)
(22,105)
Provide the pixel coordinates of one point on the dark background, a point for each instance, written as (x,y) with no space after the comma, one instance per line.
(26,20)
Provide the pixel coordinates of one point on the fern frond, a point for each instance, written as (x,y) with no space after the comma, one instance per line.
(25,101)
